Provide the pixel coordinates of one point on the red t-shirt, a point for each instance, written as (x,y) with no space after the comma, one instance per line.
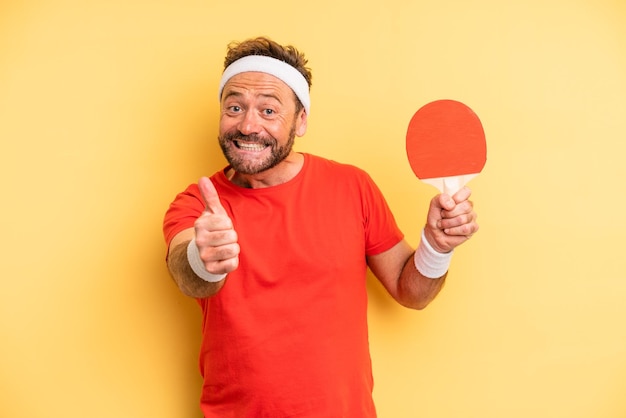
(286,336)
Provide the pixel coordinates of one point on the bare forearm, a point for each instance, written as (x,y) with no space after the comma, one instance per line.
(188,282)
(416,291)
(396,270)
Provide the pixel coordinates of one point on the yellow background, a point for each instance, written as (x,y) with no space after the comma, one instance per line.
(109,108)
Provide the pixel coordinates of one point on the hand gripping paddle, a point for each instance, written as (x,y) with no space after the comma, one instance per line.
(445,145)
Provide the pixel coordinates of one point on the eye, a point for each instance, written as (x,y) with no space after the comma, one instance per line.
(235,109)
(268,112)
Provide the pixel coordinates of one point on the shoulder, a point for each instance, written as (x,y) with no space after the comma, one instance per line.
(341,180)
(321,165)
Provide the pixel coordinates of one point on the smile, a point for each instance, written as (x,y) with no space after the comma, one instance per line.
(247,146)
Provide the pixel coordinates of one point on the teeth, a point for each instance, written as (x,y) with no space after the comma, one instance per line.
(250,147)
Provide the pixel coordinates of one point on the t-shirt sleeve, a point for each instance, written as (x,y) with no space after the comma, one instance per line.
(381,229)
(183,212)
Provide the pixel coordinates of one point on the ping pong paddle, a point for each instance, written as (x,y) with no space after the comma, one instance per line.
(445,145)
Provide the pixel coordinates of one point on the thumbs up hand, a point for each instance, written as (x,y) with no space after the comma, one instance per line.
(216,238)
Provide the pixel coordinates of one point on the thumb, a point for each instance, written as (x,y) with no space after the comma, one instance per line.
(210,197)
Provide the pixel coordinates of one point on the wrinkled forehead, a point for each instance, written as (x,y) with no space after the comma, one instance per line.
(272,67)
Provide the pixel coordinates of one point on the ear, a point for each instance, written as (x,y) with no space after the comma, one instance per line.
(301,123)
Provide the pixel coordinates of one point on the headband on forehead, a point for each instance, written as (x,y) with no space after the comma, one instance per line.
(279,69)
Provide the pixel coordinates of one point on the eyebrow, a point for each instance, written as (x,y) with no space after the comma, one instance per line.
(234,93)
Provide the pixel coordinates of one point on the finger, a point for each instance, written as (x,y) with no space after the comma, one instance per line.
(461,221)
(462,195)
(222,259)
(210,197)
(225,265)
(464,230)
(462,208)
(216,237)
(445,201)
(461,204)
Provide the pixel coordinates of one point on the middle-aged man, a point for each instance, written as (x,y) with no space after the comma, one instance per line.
(275,247)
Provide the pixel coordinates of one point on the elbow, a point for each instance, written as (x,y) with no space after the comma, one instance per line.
(189,292)
(417,299)
(199,289)
(420,306)
(413,298)
(417,305)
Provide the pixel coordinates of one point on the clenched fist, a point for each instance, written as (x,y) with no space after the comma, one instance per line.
(216,237)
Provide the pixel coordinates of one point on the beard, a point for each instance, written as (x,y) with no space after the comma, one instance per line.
(248,165)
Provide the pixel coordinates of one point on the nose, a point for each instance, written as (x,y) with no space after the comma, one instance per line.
(250,123)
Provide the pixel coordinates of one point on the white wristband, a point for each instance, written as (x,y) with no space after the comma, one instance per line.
(429,262)
(193,256)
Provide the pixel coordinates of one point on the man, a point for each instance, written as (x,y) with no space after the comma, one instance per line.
(276,247)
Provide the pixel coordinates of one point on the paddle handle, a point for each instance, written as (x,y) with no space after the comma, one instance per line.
(450,185)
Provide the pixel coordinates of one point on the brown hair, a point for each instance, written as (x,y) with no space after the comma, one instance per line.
(265,46)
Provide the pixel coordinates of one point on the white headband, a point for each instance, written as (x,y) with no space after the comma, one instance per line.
(279,69)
